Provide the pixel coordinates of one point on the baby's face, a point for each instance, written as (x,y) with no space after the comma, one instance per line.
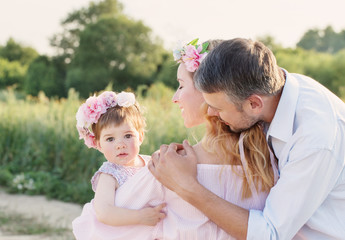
(120,144)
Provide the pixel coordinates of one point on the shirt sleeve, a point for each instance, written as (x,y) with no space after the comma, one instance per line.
(304,183)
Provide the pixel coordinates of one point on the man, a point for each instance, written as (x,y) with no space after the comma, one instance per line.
(242,85)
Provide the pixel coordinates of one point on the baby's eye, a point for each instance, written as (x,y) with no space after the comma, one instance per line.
(180,87)
(128,135)
(110,139)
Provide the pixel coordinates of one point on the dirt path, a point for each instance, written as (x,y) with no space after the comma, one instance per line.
(55,213)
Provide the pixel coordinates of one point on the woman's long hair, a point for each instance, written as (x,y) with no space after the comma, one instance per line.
(225,144)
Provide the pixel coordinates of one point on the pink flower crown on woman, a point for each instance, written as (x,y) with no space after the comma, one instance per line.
(191,54)
(90,112)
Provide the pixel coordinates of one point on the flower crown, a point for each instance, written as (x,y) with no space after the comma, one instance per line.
(191,54)
(90,112)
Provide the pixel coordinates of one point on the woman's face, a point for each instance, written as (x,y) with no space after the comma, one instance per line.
(188,98)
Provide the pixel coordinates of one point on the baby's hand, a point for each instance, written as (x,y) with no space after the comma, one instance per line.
(182,152)
(151,215)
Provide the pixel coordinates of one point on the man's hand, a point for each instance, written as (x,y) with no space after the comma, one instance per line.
(176,171)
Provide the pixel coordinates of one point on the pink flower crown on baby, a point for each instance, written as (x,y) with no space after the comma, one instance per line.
(90,112)
(191,54)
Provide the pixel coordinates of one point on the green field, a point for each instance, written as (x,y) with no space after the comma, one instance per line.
(41,152)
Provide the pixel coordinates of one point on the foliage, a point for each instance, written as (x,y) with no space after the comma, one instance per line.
(101,45)
(116,50)
(47,75)
(68,41)
(14,61)
(323,67)
(11,73)
(40,150)
(326,40)
(14,51)
(166,71)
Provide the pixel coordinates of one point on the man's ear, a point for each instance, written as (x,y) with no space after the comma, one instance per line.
(256,103)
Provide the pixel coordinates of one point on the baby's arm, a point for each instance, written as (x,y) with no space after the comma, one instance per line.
(109,214)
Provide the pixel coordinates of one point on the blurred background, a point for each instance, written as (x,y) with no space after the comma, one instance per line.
(54,54)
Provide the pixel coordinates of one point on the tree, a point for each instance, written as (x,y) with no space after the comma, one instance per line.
(326,40)
(68,41)
(13,51)
(114,50)
(166,71)
(47,75)
(11,73)
(310,40)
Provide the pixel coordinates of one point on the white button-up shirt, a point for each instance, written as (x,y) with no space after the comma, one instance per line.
(308,138)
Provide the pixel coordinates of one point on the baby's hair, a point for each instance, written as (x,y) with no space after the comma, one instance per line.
(117,115)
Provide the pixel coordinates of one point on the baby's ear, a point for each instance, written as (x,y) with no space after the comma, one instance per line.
(98,146)
(141,137)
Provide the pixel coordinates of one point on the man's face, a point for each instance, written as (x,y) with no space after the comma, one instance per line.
(237,119)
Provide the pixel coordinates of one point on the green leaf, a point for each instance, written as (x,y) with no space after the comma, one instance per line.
(204,47)
(193,42)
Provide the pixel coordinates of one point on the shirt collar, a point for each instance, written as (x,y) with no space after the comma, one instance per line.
(281,126)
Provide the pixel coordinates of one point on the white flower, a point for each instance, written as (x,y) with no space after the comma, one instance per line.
(177,54)
(125,99)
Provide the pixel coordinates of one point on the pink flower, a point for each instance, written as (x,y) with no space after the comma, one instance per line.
(93,109)
(108,98)
(90,141)
(192,57)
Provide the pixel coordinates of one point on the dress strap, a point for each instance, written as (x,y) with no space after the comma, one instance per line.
(245,167)
(274,166)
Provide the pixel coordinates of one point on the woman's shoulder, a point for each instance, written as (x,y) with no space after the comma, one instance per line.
(207,157)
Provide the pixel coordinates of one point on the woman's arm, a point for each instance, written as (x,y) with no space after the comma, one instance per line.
(109,214)
(179,174)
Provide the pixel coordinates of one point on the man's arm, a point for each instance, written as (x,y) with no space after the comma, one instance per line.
(304,183)
(179,174)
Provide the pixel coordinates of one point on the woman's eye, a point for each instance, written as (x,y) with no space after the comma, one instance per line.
(110,139)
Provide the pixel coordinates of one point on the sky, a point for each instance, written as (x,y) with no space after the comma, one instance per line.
(33,22)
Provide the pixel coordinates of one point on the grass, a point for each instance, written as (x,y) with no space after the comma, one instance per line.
(12,224)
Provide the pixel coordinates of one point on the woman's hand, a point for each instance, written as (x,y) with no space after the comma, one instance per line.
(176,171)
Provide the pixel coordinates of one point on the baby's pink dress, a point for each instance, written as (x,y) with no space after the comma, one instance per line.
(183,221)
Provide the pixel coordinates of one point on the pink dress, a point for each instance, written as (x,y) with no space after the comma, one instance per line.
(183,221)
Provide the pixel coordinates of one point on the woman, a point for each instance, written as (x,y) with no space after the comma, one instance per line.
(223,169)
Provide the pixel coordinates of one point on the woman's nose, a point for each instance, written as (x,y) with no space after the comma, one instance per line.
(175,98)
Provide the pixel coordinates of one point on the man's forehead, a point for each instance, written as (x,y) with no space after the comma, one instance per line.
(215,98)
